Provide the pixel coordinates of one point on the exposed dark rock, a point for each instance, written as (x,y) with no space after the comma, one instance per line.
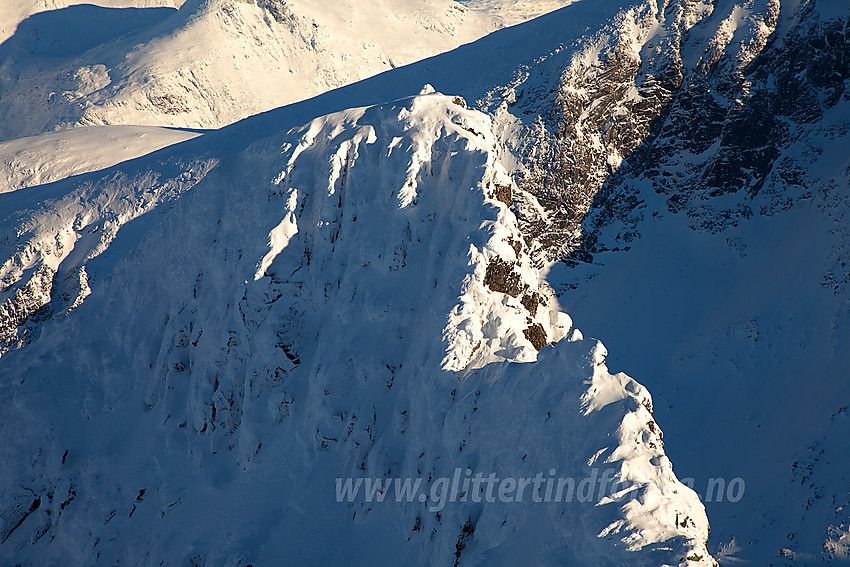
(277,9)
(593,122)
(501,277)
(722,128)
(530,301)
(503,193)
(536,336)
(516,245)
(465,533)
(30,302)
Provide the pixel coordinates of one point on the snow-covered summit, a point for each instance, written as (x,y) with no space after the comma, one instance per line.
(316,291)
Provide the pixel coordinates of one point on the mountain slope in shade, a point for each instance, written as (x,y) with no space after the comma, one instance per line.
(13,13)
(724,235)
(348,298)
(514,12)
(742,331)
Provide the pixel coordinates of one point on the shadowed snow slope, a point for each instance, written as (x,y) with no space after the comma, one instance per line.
(13,13)
(350,298)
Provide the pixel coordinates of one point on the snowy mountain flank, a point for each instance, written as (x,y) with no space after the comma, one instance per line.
(211,318)
(327,340)
(212,62)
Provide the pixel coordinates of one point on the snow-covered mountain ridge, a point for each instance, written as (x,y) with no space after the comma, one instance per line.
(497,60)
(27,162)
(723,232)
(290,332)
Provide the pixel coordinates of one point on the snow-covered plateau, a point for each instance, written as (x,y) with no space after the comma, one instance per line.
(254,250)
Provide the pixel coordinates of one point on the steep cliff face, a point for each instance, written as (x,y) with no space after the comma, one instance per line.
(353,298)
(732,210)
(733,100)
(585,110)
(42,239)
(52,235)
(699,99)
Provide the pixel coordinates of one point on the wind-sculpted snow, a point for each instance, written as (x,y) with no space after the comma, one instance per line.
(352,298)
(733,211)
(339,300)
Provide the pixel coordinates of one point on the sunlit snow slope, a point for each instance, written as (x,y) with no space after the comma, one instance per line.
(724,236)
(222,336)
(213,62)
(48,222)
